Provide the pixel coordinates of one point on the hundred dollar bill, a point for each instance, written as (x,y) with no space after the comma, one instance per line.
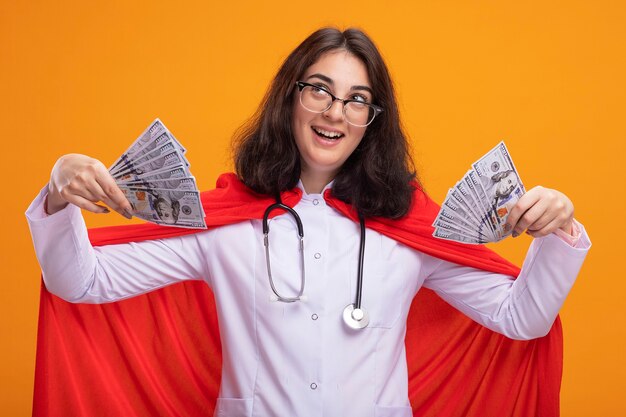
(457,237)
(476,208)
(502,209)
(473,182)
(459,210)
(152,132)
(486,216)
(176,184)
(167,207)
(500,181)
(443,223)
(155,134)
(462,193)
(168,159)
(154,176)
(456,197)
(161,145)
(178,171)
(478,203)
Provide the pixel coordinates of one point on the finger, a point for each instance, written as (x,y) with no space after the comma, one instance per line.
(83,184)
(525,202)
(113,195)
(85,190)
(546,230)
(82,188)
(87,187)
(530,217)
(85,204)
(557,207)
(102,196)
(544,219)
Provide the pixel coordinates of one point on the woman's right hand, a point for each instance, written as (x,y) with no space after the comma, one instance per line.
(84,181)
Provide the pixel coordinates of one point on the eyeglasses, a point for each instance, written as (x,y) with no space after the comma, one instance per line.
(317,99)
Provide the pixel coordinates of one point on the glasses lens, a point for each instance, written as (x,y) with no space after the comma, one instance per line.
(315,99)
(318,100)
(358,114)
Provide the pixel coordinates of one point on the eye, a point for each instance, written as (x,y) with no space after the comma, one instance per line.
(359,97)
(319,89)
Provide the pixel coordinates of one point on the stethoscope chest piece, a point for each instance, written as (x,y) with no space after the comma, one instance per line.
(355,318)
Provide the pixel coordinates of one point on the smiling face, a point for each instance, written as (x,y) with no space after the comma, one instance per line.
(326,140)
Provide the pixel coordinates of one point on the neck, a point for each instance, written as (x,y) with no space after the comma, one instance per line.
(315,183)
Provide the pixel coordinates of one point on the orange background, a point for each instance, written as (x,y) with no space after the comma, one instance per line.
(547,77)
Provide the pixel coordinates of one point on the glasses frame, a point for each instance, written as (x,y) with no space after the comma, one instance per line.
(302,84)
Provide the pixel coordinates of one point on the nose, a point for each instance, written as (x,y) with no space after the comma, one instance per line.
(335,112)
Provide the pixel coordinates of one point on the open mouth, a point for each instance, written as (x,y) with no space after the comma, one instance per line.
(327,134)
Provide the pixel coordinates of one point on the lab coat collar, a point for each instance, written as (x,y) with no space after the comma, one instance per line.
(312,196)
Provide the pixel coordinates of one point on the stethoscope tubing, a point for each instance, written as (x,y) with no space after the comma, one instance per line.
(354,316)
(359,279)
(279,205)
(266,242)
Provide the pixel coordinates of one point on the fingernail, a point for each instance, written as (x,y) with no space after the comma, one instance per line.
(106,210)
(127,214)
(528,233)
(515,234)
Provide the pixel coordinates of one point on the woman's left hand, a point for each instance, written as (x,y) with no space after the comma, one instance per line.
(541,211)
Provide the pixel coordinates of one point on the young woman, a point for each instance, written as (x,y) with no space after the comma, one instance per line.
(293,345)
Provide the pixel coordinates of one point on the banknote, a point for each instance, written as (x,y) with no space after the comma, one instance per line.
(442,223)
(153,136)
(457,237)
(150,134)
(479,223)
(178,184)
(474,184)
(178,171)
(460,211)
(162,144)
(486,219)
(154,175)
(462,193)
(503,207)
(169,159)
(476,208)
(167,207)
(500,181)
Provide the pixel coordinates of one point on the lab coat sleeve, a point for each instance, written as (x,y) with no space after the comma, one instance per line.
(523,308)
(77,272)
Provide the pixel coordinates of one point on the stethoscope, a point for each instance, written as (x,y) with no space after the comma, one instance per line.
(353,315)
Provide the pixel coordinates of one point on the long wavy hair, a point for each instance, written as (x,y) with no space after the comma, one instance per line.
(376,177)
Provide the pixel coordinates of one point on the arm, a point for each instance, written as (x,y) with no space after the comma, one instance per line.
(77,272)
(524,308)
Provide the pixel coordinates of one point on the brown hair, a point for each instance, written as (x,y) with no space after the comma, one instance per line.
(375,179)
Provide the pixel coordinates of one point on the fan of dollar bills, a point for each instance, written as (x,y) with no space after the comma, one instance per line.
(154,176)
(476,208)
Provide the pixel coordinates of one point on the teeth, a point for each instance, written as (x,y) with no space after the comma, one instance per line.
(329,135)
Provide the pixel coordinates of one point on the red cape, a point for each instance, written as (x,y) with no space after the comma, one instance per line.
(159,354)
